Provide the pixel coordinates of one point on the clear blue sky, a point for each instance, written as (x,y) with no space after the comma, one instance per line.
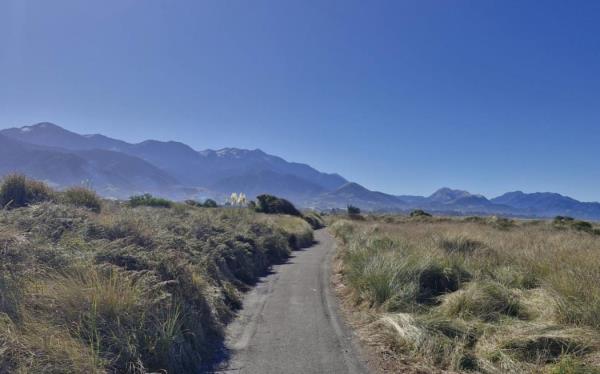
(400,96)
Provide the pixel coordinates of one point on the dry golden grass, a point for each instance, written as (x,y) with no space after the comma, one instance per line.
(129,290)
(487,295)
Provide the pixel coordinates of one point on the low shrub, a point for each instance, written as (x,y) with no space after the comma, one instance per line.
(563,219)
(193,203)
(83,197)
(149,200)
(270,204)
(353,210)
(582,226)
(419,213)
(18,191)
(208,203)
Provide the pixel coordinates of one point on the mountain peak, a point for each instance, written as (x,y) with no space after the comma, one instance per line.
(446,194)
(41,126)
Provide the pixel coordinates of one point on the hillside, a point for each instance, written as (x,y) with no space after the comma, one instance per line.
(113,174)
(357,195)
(225,171)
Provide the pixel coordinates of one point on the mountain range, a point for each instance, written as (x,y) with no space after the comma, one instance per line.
(118,169)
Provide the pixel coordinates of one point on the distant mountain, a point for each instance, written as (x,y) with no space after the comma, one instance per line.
(547,204)
(111,173)
(266,181)
(446,195)
(175,170)
(357,195)
(461,201)
(217,168)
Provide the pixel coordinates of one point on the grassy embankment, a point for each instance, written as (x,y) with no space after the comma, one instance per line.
(93,286)
(476,294)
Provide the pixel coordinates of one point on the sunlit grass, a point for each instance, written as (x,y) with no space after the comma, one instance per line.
(128,289)
(477,294)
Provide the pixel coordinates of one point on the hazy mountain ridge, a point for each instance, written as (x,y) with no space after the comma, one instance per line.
(113,174)
(224,171)
(173,169)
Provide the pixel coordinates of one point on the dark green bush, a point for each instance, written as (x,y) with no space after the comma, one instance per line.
(83,197)
(149,200)
(353,210)
(563,219)
(18,191)
(275,205)
(208,203)
(419,213)
(562,222)
(582,226)
(193,203)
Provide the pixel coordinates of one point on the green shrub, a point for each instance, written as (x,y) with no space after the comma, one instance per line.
(275,205)
(18,191)
(582,226)
(193,203)
(149,200)
(83,197)
(208,203)
(419,213)
(563,219)
(353,210)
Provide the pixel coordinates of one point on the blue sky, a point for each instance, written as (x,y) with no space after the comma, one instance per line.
(400,96)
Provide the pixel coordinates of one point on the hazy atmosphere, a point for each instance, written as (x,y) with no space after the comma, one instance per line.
(401,97)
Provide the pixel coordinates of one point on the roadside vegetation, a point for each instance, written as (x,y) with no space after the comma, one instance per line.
(96,286)
(487,295)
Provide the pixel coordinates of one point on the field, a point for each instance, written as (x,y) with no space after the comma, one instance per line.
(90,286)
(474,294)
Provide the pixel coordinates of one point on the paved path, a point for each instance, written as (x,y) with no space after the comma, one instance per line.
(289,322)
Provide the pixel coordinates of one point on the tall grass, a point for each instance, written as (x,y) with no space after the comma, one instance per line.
(477,294)
(18,191)
(83,197)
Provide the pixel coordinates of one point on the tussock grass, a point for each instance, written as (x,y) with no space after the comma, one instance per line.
(16,190)
(477,294)
(128,289)
(83,197)
(314,219)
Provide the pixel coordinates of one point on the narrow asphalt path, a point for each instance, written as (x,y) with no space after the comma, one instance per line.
(290,321)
